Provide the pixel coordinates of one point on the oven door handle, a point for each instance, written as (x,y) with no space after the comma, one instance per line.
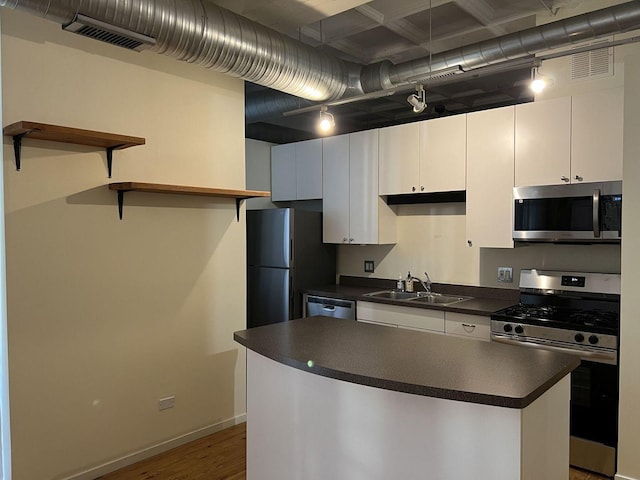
(602,357)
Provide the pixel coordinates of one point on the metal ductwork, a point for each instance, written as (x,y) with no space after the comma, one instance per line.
(203,33)
(200,32)
(616,19)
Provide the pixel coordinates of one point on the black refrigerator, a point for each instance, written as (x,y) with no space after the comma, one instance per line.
(285,255)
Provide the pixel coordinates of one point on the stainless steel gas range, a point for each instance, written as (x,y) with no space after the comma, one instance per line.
(576,313)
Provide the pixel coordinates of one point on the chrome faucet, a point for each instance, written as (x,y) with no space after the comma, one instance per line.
(427,285)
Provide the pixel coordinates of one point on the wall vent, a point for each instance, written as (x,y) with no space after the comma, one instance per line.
(92,28)
(596,63)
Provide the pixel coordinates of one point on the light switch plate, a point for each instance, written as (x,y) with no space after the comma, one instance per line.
(505,274)
(368,266)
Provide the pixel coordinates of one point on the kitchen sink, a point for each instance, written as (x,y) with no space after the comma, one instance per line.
(439,299)
(395,295)
(420,297)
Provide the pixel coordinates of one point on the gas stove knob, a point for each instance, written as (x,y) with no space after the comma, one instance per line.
(519,329)
(593,339)
(579,337)
(507,327)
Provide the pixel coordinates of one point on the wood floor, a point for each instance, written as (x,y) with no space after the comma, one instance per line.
(221,456)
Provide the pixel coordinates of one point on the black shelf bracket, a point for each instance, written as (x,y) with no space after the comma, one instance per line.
(17,147)
(120,202)
(238,203)
(110,157)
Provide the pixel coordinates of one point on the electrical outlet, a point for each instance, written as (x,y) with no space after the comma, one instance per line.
(368,266)
(505,274)
(167,402)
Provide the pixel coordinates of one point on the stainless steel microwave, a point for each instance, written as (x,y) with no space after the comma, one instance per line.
(576,213)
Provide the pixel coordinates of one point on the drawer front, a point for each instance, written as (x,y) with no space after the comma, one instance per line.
(469,326)
(403,317)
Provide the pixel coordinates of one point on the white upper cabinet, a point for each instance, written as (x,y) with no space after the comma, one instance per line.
(283,172)
(399,159)
(490,171)
(443,154)
(423,157)
(296,171)
(596,136)
(335,189)
(543,142)
(570,140)
(309,169)
(352,210)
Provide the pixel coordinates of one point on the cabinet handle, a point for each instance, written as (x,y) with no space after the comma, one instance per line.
(564,179)
(422,188)
(413,189)
(469,243)
(468,327)
(351,240)
(344,239)
(578,178)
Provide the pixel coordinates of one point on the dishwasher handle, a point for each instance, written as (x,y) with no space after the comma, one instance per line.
(329,307)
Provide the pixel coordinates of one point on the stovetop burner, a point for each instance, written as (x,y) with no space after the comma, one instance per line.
(563,317)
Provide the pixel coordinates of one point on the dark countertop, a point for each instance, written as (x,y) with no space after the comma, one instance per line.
(412,362)
(485,301)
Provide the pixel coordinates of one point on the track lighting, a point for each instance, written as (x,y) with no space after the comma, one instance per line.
(538,81)
(326,123)
(418,100)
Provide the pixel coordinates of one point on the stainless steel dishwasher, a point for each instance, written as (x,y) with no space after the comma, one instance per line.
(329,307)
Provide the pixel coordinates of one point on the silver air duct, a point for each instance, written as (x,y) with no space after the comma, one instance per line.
(203,33)
(616,19)
(200,32)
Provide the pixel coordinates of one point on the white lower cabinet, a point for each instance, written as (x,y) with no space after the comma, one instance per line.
(401,317)
(467,326)
(422,319)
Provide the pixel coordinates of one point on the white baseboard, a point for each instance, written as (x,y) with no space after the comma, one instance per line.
(134,457)
(622,477)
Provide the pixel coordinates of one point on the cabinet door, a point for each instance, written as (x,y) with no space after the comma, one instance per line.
(596,136)
(399,159)
(543,142)
(283,172)
(309,169)
(335,189)
(490,169)
(363,187)
(443,154)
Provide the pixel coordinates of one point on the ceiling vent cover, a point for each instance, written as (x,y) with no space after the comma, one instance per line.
(92,28)
(596,63)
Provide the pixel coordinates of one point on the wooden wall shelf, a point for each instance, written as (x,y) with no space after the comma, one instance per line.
(56,133)
(238,195)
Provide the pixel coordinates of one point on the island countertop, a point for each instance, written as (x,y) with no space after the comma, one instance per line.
(411,362)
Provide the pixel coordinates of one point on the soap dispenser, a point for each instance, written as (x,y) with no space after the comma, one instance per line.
(400,284)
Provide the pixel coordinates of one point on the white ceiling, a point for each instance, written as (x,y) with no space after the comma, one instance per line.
(399,31)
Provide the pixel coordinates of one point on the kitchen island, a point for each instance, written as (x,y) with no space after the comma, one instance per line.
(330,398)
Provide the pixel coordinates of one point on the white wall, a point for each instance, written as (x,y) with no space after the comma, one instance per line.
(432,238)
(106,316)
(5,430)
(629,436)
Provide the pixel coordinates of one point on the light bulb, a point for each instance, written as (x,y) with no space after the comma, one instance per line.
(325,124)
(538,85)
